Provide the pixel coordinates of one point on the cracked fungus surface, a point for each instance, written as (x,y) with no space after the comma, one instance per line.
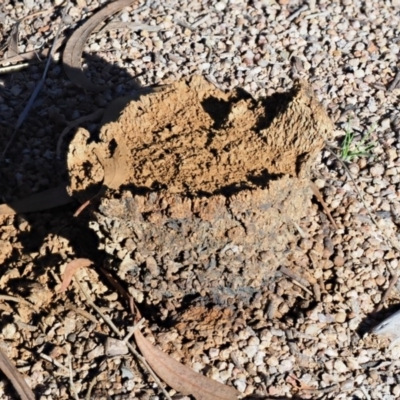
(192,138)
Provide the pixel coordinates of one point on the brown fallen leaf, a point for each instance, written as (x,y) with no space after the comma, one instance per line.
(173,373)
(17,380)
(35,56)
(71,269)
(74,47)
(180,377)
(50,198)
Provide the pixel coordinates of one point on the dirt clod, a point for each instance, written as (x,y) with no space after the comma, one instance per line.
(211,185)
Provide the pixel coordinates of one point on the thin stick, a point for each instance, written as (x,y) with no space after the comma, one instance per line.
(55,362)
(297,13)
(84,313)
(38,87)
(12,68)
(91,386)
(196,24)
(293,276)
(319,197)
(71,381)
(319,14)
(328,389)
(302,287)
(15,299)
(133,329)
(120,334)
(395,82)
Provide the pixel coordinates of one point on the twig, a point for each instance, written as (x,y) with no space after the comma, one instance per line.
(185,24)
(133,329)
(38,87)
(200,21)
(120,334)
(84,313)
(71,380)
(297,13)
(11,372)
(55,362)
(395,82)
(293,276)
(301,232)
(315,15)
(319,197)
(15,300)
(302,287)
(91,386)
(328,389)
(11,68)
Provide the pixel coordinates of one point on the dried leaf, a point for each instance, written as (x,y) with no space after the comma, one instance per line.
(35,56)
(17,380)
(74,47)
(13,44)
(71,269)
(37,202)
(180,377)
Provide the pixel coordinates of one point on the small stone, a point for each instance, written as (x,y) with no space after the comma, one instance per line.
(152,267)
(71,337)
(354,169)
(213,352)
(377,170)
(219,6)
(250,351)
(240,384)
(9,331)
(16,90)
(259,358)
(272,361)
(340,366)
(115,347)
(338,261)
(340,317)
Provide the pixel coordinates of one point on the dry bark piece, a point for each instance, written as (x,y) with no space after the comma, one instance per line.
(180,377)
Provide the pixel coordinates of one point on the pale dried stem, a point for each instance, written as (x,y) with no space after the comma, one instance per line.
(120,335)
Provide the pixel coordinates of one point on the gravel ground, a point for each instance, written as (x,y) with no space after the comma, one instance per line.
(306,340)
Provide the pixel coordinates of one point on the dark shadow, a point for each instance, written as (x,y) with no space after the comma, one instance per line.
(217,109)
(274,105)
(375,318)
